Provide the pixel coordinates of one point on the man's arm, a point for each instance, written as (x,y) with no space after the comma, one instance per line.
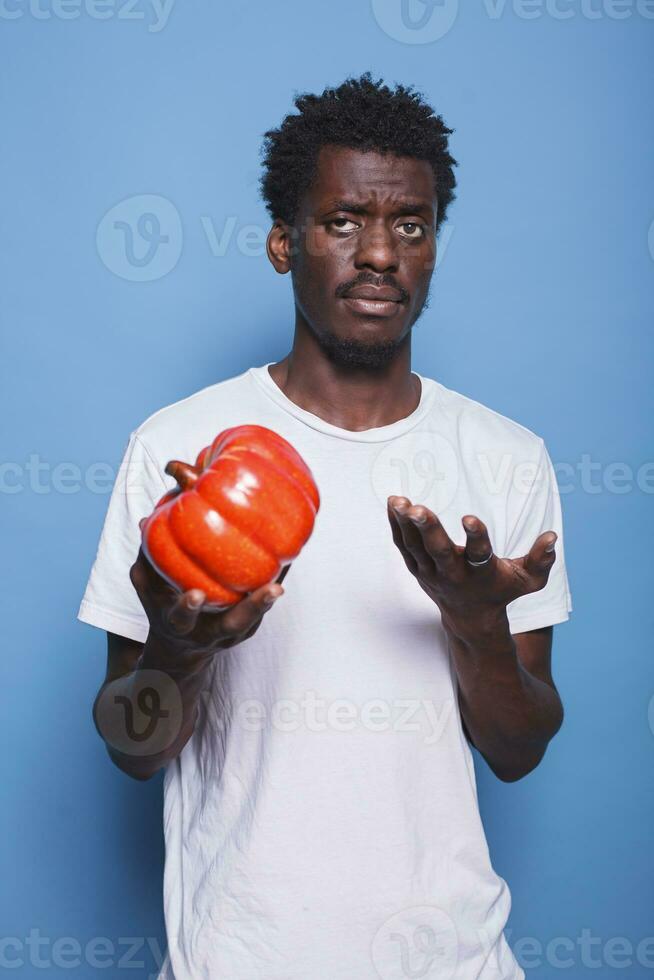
(507,698)
(147,707)
(117,701)
(511,716)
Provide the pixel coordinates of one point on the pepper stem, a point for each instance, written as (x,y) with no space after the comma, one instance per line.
(185,474)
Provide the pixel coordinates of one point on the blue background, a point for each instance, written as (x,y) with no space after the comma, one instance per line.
(539,309)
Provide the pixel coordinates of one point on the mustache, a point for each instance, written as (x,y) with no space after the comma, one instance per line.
(368,279)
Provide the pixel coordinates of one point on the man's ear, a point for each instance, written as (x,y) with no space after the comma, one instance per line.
(280,246)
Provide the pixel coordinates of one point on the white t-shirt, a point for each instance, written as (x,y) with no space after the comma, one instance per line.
(322,822)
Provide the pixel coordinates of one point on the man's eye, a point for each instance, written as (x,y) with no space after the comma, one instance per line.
(340,223)
(413,229)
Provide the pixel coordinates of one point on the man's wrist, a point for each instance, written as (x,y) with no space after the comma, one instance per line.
(178,662)
(485,653)
(486,630)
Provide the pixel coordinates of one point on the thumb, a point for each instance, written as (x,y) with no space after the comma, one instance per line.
(542,554)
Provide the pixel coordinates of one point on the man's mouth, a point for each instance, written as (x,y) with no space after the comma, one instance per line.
(383,301)
(381,293)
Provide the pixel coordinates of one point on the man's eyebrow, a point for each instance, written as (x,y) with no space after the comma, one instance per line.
(345,206)
(402,207)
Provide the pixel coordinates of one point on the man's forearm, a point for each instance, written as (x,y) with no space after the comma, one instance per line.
(510,714)
(168,729)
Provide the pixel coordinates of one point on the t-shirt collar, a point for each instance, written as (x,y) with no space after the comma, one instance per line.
(262,377)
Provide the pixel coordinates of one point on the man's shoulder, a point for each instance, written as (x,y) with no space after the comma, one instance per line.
(477,424)
(196,417)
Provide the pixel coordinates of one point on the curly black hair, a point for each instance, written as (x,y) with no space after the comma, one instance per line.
(359,114)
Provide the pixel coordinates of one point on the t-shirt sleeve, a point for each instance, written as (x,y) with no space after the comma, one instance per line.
(537,505)
(110,601)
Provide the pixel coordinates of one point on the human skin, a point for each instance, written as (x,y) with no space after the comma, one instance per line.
(392,245)
(366,223)
(357,224)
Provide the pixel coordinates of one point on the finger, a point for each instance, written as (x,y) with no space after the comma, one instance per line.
(435,538)
(409,537)
(541,555)
(138,573)
(141,575)
(409,560)
(183,615)
(251,631)
(412,537)
(152,581)
(401,507)
(478,546)
(251,608)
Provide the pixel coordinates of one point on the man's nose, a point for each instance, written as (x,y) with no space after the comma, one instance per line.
(376,249)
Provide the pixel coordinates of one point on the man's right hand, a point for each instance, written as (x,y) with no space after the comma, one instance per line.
(184,636)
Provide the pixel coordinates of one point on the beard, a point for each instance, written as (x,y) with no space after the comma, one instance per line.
(359,354)
(373,354)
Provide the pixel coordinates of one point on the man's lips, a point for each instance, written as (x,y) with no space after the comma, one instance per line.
(380,301)
(381,293)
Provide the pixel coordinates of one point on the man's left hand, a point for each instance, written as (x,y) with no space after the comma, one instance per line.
(472,598)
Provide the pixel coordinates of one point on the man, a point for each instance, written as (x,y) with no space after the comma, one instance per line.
(320,806)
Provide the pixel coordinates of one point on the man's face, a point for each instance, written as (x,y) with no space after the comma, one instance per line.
(364,251)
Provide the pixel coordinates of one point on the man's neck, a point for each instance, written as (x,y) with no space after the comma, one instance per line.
(354,398)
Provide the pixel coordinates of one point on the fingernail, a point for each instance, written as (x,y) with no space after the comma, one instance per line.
(195,601)
(420,519)
(551,546)
(269,599)
(470,525)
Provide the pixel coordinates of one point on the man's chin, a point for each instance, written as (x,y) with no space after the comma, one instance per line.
(348,352)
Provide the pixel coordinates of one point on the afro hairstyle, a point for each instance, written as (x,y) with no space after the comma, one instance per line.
(360,114)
